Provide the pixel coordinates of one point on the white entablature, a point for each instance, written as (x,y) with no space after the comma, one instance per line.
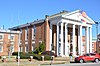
(78,17)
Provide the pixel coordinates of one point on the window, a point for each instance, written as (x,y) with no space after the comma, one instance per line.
(1,48)
(20,34)
(12,48)
(12,37)
(0,36)
(92,54)
(87,54)
(33,32)
(92,45)
(32,48)
(26,33)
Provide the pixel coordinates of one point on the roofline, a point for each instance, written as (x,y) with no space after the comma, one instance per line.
(26,25)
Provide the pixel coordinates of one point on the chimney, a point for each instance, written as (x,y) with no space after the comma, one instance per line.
(46,17)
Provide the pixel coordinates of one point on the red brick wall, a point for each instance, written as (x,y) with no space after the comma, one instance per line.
(23,39)
(30,38)
(47,34)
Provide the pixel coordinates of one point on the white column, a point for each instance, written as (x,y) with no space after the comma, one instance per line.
(66,40)
(57,39)
(61,39)
(81,45)
(90,39)
(87,40)
(50,36)
(74,43)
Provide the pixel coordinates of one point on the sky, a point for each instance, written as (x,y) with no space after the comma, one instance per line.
(17,12)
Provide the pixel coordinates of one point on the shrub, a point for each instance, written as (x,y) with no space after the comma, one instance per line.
(48,53)
(24,56)
(16,53)
(37,57)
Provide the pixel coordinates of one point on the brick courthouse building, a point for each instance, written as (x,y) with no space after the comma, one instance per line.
(61,32)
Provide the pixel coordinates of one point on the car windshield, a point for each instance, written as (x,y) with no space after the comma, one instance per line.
(86,54)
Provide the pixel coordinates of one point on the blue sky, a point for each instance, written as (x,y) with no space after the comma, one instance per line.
(30,10)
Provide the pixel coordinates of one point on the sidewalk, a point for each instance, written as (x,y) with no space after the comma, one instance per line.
(26,62)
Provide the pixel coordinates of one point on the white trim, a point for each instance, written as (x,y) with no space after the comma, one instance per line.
(1,42)
(75,23)
(25,48)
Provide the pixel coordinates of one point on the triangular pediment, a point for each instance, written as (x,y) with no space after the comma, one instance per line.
(80,16)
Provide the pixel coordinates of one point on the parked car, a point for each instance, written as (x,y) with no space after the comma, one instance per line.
(88,57)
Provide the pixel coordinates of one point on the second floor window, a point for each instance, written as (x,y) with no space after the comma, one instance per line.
(26,33)
(12,37)
(33,32)
(1,37)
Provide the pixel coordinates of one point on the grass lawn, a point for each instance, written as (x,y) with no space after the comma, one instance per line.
(23,62)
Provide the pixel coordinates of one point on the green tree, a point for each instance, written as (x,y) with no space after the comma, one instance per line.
(41,48)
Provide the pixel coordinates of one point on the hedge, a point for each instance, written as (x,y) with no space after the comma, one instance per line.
(35,56)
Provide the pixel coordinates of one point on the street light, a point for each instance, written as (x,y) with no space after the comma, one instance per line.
(97,23)
(97,29)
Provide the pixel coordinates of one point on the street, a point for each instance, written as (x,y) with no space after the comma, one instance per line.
(78,64)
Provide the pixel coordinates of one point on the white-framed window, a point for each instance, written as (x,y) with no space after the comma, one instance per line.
(33,32)
(21,49)
(26,33)
(1,48)
(20,34)
(92,44)
(1,36)
(11,37)
(32,48)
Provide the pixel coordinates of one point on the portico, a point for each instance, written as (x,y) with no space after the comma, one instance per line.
(69,34)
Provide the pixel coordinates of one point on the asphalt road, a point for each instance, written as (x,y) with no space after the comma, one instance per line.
(78,64)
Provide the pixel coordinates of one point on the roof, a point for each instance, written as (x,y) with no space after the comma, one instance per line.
(38,21)
(52,17)
(27,24)
(59,14)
